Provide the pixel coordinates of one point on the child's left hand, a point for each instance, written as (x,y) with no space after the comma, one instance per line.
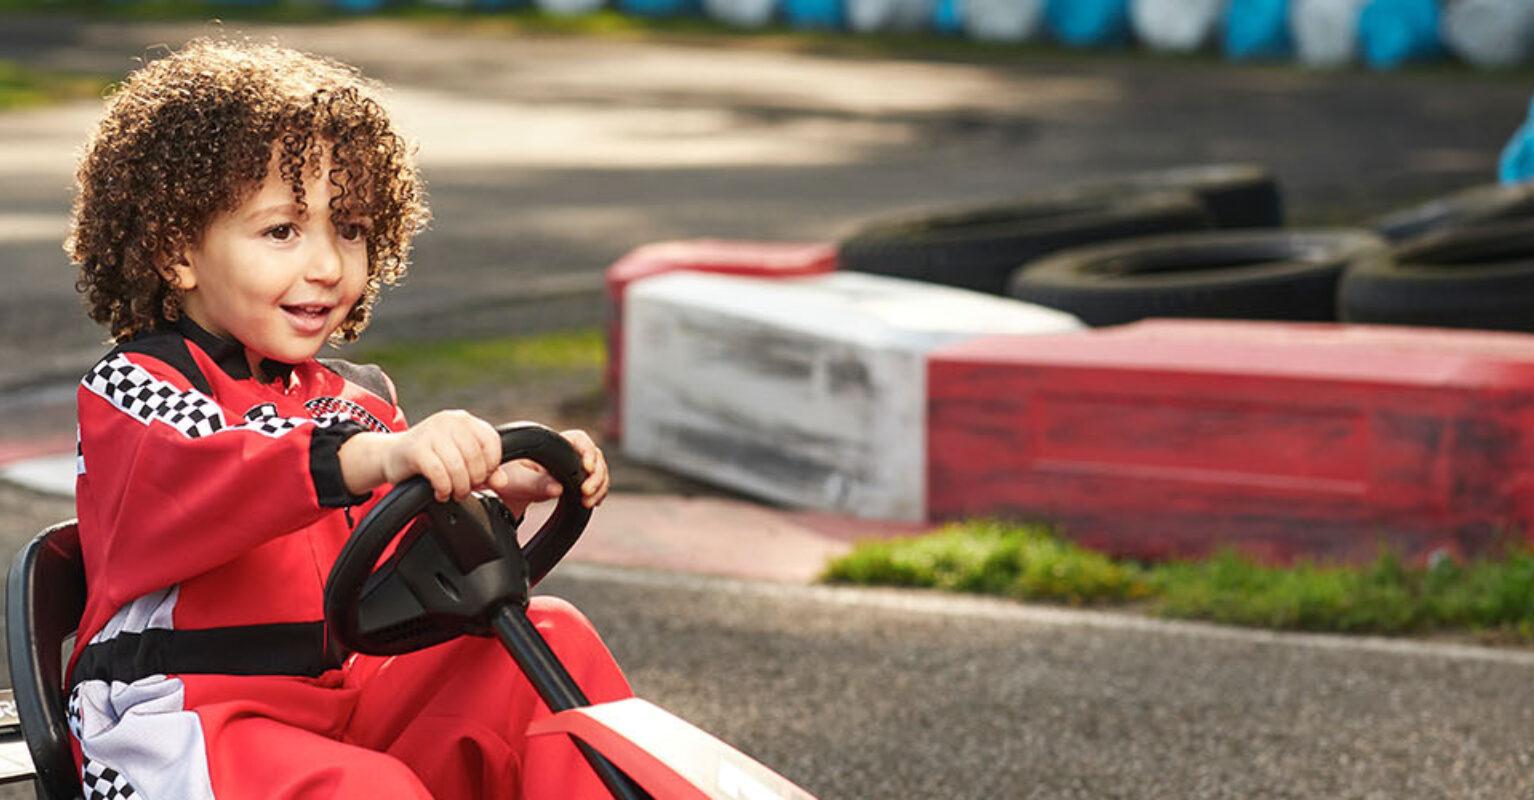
(528,483)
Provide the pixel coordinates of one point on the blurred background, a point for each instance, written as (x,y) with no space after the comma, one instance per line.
(972,146)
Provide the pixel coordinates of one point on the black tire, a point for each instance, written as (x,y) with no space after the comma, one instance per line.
(979,248)
(1236,195)
(1471,207)
(1481,277)
(1253,274)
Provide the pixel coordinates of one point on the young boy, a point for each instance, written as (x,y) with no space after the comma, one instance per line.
(239,206)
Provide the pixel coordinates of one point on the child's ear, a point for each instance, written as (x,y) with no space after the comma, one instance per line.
(181,274)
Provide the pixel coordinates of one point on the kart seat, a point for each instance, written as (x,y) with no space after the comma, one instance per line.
(44,599)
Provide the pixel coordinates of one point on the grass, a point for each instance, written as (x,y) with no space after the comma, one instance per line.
(1493,598)
(461,363)
(21,87)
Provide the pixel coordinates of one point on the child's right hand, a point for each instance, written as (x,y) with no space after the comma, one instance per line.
(455,451)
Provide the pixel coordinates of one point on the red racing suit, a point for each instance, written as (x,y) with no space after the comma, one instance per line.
(211,507)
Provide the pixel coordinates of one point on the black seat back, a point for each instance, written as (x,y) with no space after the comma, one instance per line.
(44,599)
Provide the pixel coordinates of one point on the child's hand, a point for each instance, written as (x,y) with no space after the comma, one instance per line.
(526,482)
(454,450)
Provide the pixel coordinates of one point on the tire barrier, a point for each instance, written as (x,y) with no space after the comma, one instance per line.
(741,13)
(569,8)
(1478,277)
(815,14)
(754,259)
(1175,26)
(889,16)
(1392,33)
(1236,195)
(1490,33)
(1259,275)
(1003,20)
(979,248)
(1256,30)
(1326,31)
(1088,23)
(810,392)
(1469,207)
(1182,438)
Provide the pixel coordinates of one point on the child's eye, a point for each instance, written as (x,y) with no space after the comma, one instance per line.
(281,233)
(351,231)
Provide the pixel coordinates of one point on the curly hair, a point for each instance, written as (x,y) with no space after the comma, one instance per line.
(192,135)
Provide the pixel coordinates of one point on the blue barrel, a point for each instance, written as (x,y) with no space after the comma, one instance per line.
(948,17)
(815,14)
(659,8)
(1396,32)
(1089,23)
(1257,29)
(1517,162)
(357,6)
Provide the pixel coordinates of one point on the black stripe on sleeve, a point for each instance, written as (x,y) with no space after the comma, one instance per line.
(325,465)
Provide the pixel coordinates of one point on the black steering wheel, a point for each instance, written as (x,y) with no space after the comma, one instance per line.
(458,562)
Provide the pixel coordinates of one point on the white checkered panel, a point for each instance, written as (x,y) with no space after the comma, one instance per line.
(104,783)
(146,398)
(346,409)
(143,396)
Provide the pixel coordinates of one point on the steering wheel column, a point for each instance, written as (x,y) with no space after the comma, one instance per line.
(458,569)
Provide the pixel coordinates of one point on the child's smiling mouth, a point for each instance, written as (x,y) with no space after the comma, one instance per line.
(308,318)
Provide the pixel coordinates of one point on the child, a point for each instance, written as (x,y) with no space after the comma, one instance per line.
(239,206)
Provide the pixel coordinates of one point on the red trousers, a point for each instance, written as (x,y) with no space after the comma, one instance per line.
(446,722)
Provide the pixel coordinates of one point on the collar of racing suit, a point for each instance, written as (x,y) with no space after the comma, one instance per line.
(229,354)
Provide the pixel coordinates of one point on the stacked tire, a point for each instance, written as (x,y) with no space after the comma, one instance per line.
(1475,277)
(980,248)
(1251,274)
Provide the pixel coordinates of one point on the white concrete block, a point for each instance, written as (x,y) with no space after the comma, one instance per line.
(810,392)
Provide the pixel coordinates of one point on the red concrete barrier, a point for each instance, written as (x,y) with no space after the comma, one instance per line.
(754,259)
(1170,438)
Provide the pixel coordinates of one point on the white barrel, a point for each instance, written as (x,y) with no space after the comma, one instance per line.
(1001,20)
(569,8)
(1490,33)
(1325,31)
(1176,26)
(741,13)
(889,16)
(810,392)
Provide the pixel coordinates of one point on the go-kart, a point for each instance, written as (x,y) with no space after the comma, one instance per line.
(458,570)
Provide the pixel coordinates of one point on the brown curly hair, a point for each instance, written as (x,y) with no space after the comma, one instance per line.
(192,135)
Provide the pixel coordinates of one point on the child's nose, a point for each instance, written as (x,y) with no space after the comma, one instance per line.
(325,265)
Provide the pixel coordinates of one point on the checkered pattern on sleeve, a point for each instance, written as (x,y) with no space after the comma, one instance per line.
(136,392)
(100,782)
(346,409)
(146,398)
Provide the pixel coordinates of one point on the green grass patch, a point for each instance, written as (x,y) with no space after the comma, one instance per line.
(1027,563)
(1491,597)
(474,362)
(21,87)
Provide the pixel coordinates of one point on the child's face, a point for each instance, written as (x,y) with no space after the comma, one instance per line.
(278,282)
